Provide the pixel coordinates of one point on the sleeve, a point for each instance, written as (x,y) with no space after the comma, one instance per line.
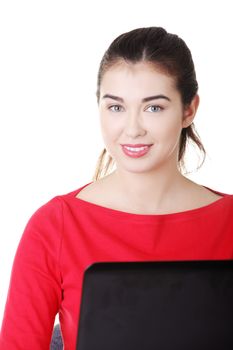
(34,293)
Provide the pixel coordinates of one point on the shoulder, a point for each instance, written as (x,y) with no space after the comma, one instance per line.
(44,227)
(41,239)
(50,210)
(86,192)
(223,197)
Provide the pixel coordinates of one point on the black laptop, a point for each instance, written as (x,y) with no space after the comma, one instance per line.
(157,305)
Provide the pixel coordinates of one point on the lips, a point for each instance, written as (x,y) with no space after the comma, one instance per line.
(135,151)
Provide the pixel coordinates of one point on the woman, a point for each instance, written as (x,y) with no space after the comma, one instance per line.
(145,209)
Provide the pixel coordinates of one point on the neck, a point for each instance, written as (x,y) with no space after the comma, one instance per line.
(151,190)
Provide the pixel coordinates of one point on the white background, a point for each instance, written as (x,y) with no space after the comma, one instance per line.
(49,133)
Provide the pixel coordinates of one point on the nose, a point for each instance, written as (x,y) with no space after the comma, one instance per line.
(134,126)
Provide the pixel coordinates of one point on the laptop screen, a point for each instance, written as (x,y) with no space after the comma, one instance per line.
(160,305)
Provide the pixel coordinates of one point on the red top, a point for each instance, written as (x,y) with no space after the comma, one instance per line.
(67,234)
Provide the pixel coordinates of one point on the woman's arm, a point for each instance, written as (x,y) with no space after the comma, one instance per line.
(34,293)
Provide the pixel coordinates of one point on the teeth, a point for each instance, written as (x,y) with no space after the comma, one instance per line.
(136,149)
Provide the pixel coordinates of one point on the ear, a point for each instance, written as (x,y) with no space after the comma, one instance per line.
(190,111)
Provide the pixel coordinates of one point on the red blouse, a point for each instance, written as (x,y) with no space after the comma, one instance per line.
(67,234)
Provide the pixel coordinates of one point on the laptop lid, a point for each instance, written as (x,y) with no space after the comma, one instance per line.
(160,305)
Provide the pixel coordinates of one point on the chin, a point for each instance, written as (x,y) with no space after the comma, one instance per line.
(136,168)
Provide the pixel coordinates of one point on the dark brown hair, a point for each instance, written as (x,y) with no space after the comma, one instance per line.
(167,52)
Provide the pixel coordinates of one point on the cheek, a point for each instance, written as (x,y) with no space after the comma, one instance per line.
(169,131)
(110,135)
(109,129)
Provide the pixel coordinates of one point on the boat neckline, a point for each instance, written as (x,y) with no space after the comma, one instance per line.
(176,215)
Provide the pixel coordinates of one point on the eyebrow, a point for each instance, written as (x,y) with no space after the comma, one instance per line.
(145,99)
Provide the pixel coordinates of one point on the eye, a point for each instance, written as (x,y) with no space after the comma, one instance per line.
(110,107)
(156,108)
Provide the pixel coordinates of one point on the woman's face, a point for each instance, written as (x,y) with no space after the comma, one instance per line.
(127,119)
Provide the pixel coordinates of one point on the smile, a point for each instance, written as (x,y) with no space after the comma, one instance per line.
(135,152)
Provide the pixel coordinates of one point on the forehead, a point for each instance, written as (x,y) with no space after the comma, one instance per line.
(131,77)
